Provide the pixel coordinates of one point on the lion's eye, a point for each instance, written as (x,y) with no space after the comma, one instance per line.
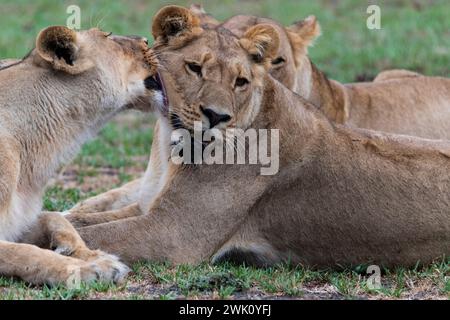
(240,82)
(196,68)
(278,61)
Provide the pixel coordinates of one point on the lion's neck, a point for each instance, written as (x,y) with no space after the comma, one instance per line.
(328,95)
(51,122)
(301,125)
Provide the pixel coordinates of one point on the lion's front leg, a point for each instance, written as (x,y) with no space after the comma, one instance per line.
(194,215)
(112,200)
(79,220)
(54,232)
(40,266)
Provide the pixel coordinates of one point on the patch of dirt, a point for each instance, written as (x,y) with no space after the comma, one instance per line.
(89,179)
(146,288)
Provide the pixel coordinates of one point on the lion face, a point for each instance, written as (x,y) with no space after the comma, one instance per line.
(217,76)
(294,43)
(124,68)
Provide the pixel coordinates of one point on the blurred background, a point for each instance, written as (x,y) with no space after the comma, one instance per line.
(415,34)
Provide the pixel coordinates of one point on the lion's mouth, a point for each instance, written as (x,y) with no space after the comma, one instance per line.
(156,83)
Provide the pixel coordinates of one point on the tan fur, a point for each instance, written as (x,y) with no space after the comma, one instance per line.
(173,30)
(50,103)
(342,197)
(205,19)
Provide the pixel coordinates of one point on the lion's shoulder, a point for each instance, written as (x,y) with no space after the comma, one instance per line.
(395,74)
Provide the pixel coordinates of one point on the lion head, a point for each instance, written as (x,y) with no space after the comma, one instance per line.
(287,66)
(219,76)
(122,68)
(291,55)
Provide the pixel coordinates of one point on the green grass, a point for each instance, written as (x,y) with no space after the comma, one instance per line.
(59,199)
(415,35)
(118,144)
(227,282)
(13,290)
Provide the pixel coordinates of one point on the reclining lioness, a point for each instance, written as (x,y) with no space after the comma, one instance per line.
(51,102)
(342,197)
(398,101)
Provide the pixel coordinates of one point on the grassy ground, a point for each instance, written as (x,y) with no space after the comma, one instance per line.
(414,35)
(159,281)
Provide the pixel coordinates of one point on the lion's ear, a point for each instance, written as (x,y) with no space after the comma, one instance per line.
(204,17)
(58,45)
(308,29)
(302,35)
(175,21)
(262,43)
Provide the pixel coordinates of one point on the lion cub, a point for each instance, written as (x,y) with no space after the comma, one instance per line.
(51,102)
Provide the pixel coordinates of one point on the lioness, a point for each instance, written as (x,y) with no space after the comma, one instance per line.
(51,102)
(342,197)
(398,101)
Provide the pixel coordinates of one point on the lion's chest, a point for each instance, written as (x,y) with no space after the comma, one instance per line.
(22,213)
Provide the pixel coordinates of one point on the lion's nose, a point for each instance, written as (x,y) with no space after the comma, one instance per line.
(143,39)
(214,117)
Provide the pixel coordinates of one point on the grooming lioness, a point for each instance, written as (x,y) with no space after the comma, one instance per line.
(342,196)
(50,103)
(398,101)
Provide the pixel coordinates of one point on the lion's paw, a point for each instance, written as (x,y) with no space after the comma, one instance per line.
(108,267)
